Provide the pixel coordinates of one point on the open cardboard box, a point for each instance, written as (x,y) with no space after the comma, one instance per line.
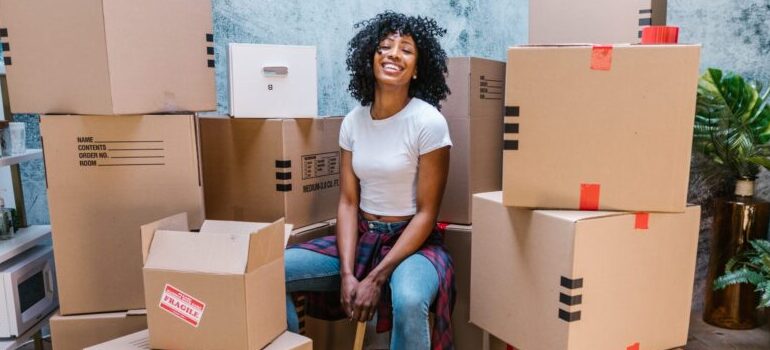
(220,288)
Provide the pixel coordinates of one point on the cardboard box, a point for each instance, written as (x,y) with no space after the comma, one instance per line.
(106,176)
(561,280)
(496,344)
(592,21)
(221,288)
(311,232)
(141,341)
(272,81)
(264,169)
(474,113)
(108,57)
(606,128)
(330,335)
(458,242)
(81,331)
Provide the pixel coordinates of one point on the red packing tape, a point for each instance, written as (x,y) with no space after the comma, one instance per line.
(642,221)
(601,57)
(589,196)
(660,35)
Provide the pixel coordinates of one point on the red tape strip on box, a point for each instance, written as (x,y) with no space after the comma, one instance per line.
(642,221)
(589,196)
(634,346)
(601,57)
(660,35)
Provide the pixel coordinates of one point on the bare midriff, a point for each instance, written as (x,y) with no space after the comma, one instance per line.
(385,218)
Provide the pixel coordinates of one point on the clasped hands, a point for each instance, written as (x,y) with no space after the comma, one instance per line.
(360,299)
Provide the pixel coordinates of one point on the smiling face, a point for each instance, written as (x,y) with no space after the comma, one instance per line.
(395,61)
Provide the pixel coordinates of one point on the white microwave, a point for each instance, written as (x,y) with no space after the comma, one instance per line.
(27,290)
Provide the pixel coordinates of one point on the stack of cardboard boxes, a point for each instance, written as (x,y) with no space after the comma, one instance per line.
(576,127)
(117,84)
(590,244)
(474,114)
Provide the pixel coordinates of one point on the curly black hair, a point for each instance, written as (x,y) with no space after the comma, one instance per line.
(430,85)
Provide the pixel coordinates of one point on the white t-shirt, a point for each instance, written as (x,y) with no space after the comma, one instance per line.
(386,153)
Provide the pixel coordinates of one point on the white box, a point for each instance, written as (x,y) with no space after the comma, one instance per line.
(272,81)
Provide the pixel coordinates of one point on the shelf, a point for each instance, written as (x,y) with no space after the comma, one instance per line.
(28,155)
(24,239)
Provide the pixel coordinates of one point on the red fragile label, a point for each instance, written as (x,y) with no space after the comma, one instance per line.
(182,305)
(634,346)
(601,57)
(642,221)
(589,196)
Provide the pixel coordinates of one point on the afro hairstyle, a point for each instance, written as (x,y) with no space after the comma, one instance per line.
(430,85)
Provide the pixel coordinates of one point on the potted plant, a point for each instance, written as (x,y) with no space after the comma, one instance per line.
(751,266)
(732,132)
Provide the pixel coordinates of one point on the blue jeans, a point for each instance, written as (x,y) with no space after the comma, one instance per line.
(413,284)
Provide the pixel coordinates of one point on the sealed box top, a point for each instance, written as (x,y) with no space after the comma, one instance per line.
(618,118)
(594,21)
(108,57)
(293,164)
(80,331)
(477,88)
(221,247)
(544,279)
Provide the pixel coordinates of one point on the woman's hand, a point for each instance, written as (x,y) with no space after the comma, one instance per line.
(348,293)
(367,297)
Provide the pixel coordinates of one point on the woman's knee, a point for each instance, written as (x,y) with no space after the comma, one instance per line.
(407,300)
(414,285)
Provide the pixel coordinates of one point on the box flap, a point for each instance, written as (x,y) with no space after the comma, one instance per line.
(195,252)
(178,222)
(311,227)
(267,245)
(225,227)
(290,341)
(287,230)
(578,215)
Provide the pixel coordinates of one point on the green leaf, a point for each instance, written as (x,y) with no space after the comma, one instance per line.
(743,275)
(732,123)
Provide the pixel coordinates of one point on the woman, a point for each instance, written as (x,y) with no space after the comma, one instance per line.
(387,257)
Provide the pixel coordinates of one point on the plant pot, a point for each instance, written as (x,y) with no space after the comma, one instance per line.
(737,219)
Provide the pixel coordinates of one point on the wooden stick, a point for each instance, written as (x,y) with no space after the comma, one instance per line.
(358,344)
